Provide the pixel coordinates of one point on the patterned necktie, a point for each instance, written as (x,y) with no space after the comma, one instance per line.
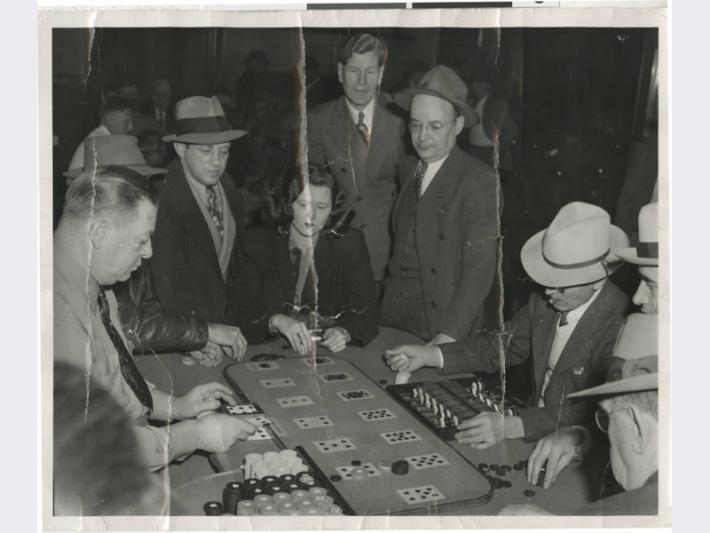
(362,128)
(128,366)
(214,208)
(419,176)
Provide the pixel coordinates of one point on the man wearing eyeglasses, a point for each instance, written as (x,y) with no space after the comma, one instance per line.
(628,413)
(567,332)
(554,452)
(445,219)
(362,143)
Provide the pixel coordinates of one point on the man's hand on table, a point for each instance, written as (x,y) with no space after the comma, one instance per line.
(217,433)
(229,338)
(295,331)
(335,339)
(554,452)
(203,398)
(488,429)
(524,509)
(410,357)
(209,356)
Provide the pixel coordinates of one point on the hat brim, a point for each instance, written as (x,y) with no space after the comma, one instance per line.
(623,386)
(549,276)
(143,170)
(206,138)
(630,255)
(403,99)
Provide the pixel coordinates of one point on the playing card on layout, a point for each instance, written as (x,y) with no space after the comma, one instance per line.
(358,394)
(277,383)
(335,377)
(294,401)
(262,366)
(311,422)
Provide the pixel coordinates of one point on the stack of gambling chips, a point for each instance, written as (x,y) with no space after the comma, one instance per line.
(275,484)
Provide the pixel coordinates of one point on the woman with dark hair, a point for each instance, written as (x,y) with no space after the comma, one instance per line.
(308,277)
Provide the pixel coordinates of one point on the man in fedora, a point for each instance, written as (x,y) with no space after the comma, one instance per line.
(567,333)
(628,413)
(445,219)
(555,451)
(362,143)
(146,325)
(200,215)
(104,234)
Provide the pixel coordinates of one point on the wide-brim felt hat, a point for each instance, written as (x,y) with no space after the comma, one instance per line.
(201,120)
(637,345)
(578,248)
(443,83)
(645,253)
(113,150)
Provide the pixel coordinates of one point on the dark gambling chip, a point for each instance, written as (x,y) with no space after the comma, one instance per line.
(286,478)
(336,477)
(251,482)
(518,467)
(273,489)
(400,467)
(506,484)
(383,382)
(506,468)
(356,462)
(269,480)
(483,465)
(497,482)
(529,493)
(213,508)
(294,485)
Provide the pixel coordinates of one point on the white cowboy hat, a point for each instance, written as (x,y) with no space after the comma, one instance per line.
(201,120)
(577,248)
(646,251)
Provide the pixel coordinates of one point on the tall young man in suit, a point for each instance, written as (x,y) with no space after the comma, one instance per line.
(361,142)
(200,215)
(568,333)
(445,219)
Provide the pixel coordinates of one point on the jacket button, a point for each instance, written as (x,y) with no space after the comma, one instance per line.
(342,169)
(433,270)
(358,198)
(433,305)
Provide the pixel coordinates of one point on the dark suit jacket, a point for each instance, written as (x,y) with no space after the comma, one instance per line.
(456,230)
(529,334)
(370,189)
(185,266)
(263,283)
(147,108)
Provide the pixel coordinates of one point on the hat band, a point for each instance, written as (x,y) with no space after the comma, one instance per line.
(647,250)
(202,125)
(572,266)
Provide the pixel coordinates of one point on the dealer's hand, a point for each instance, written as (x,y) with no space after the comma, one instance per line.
(295,332)
(335,339)
(554,452)
(203,398)
(229,338)
(410,357)
(482,431)
(217,433)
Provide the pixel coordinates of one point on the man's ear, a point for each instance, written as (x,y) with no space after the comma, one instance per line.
(340,72)
(642,433)
(98,229)
(180,149)
(459,124)
(380,74)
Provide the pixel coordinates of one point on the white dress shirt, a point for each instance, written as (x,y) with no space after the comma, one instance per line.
(368,111)
(431,170)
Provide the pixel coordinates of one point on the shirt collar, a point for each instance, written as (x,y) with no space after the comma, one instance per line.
(576,314)
(368,111)
(433,168)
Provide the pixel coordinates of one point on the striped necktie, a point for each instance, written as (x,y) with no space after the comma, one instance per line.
(214,208)
(362,128)
(129,370)
(419,172)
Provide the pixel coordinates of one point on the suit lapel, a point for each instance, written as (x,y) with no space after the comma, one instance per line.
(583,336)
(190,216)
(339,127)
(543,335)
(380,139)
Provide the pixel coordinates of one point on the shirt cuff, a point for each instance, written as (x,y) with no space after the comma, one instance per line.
(439,357)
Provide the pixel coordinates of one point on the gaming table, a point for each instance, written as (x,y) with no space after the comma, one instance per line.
(337,409)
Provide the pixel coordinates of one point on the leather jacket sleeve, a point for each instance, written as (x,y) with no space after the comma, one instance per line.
(147,326)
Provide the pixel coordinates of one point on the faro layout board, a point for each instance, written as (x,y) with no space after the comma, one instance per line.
(345,421)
